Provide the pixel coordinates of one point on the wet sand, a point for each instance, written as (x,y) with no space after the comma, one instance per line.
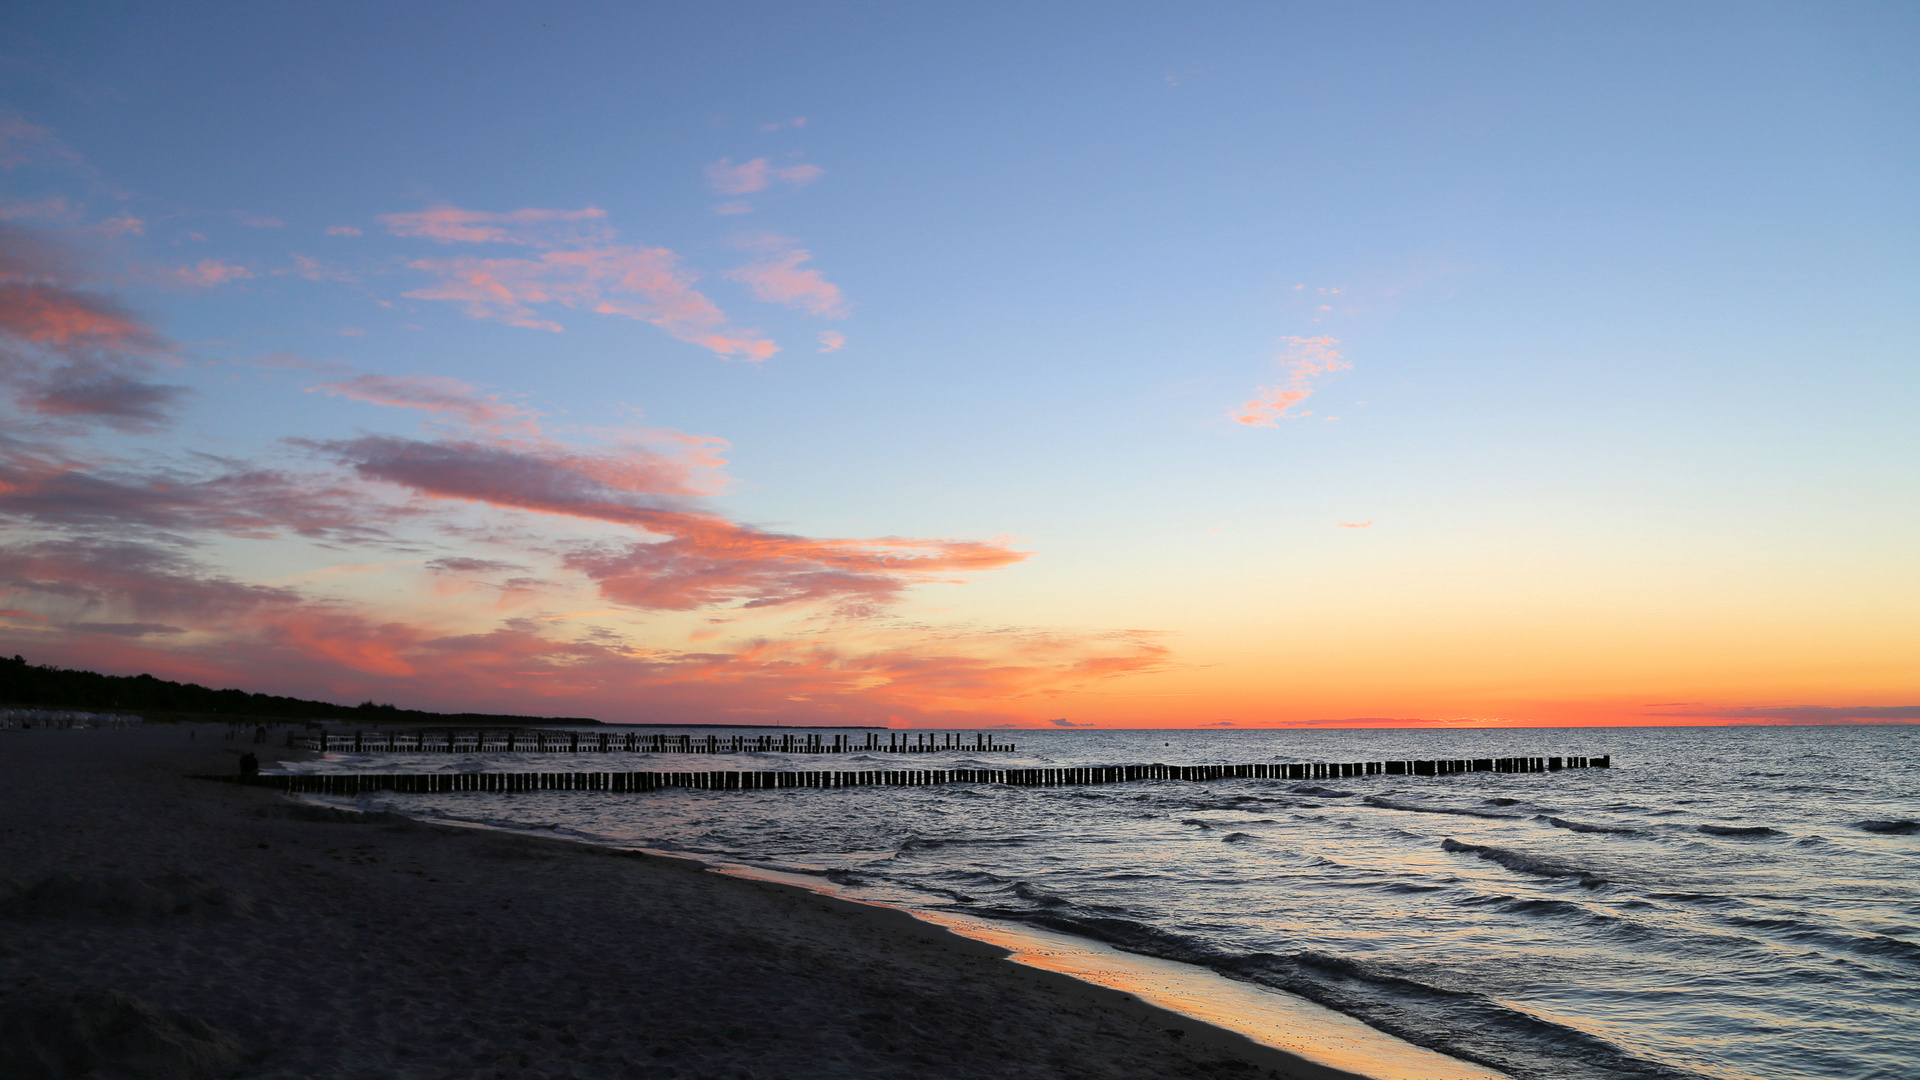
(162,926)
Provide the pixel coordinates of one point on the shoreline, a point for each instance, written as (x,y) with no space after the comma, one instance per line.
(259,937)
(1307,1037)
(1280,1031)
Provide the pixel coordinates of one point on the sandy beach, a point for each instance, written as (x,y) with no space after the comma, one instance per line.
(161,926)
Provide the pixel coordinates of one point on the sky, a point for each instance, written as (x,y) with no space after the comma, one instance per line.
(1038,364)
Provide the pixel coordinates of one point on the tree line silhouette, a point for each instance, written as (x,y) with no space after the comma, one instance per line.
(45,686)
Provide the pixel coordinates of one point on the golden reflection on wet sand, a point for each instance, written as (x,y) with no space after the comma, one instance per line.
(1272,1018)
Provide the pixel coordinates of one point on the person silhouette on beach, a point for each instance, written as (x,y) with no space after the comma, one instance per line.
(249,765)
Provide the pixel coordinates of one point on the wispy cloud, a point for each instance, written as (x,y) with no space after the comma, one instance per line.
(124,224)
(439,395)
(632,282)
(1367,524)
(729,179)
(313,269)
(125,629)
(796,122)
(533,227)
(776,277)
(459,564)
(1302,361)
(202,275)
(54,208)
(258,221)
(832,340)
(643,283)
(23,143)
(748,177)
(342,230)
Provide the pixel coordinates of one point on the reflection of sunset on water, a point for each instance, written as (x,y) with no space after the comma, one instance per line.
(1269,1017)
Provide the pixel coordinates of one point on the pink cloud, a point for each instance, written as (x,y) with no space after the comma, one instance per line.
(1356,524)
(1304,359)
(709,562)
(705,560)
(776,277)
(735,207)
(342,230)
(67,352)
(729,179)
(203,275)
(832,340)
(748,177)
(632,282)
(49,314)
(438,395)
(533,227)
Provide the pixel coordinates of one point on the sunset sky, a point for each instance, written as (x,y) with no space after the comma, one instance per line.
(970,364)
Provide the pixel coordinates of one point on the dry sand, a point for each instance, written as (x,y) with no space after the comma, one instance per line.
(158,926)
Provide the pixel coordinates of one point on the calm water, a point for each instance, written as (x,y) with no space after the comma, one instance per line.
(1725,902)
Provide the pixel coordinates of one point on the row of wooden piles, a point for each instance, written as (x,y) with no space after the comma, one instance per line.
(742,780)
(511,741)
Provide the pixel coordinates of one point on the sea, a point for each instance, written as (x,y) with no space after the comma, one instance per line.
(1726,902)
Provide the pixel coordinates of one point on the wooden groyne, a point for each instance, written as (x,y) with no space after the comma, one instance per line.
(515,740)
(743,780)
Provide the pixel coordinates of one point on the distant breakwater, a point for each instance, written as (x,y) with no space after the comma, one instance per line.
(745,780)
(518,741)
